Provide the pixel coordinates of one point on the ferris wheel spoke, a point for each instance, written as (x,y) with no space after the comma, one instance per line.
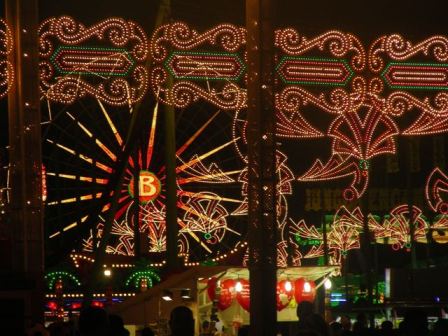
(203,156)
(152,135)
(209,196)
(111,124)
(194,236)
(195,135)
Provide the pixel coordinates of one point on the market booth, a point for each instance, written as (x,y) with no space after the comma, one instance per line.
(219,293)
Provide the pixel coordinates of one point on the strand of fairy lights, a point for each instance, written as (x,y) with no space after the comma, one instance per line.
(6,69)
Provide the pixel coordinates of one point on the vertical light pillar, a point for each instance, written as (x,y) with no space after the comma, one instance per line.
(262,189)
(26,222)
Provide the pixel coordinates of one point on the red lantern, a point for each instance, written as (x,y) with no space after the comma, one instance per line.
(211,288)
(243,296)
(52,305)
(76,305)
(227,294)
(304,290)
(284,294)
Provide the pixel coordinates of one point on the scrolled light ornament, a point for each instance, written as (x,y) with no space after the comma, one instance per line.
(6,69)
(338,44)
(292,98)
(400,102)
(375,86)
(182,94)
(179,35)
(184,69)
(106,60)
(435,191)
(397,48)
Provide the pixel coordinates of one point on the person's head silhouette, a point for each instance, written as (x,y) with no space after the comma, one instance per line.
(93,321)
(181,321)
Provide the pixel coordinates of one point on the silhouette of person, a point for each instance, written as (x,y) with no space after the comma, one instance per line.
(38,329)
(346,325)
(117,326)
(440,328)
(310,323)
(93,321)
(147,331)
(60,329)
(181,321)
(244,330)
(415,323)
(336,329)
(387,328)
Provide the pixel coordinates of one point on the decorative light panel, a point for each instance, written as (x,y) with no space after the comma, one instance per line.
(90,61)
(327,72)
(314,71)
(106,60)
(343,233)
(416,76)
(436,191)
(178,51)
(365,107)
(202,66)
(6,70)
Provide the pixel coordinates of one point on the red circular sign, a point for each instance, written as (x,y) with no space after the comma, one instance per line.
(149,186)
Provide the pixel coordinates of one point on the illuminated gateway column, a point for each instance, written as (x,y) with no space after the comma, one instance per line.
(262,175)
(25,225)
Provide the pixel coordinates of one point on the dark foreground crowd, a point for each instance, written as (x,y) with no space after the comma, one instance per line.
(415,323)
(94,321)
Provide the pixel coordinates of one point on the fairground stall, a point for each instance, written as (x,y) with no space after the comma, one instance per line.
(220,295)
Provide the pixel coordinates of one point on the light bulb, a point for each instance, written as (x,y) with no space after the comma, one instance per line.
(327,284)
(307,287)
(288,286)
(239,287)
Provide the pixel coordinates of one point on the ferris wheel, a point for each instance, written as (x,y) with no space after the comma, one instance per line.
(90,92)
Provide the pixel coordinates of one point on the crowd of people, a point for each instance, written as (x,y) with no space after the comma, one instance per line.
(415,323)
(94,321)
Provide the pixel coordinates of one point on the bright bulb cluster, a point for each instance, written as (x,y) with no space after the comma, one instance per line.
(6,69)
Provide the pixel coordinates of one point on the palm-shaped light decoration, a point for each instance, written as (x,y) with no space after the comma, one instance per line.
(54,277)
(143,278)
(55,281)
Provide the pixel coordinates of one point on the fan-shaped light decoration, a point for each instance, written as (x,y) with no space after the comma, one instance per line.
(143,278)
(54,276)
